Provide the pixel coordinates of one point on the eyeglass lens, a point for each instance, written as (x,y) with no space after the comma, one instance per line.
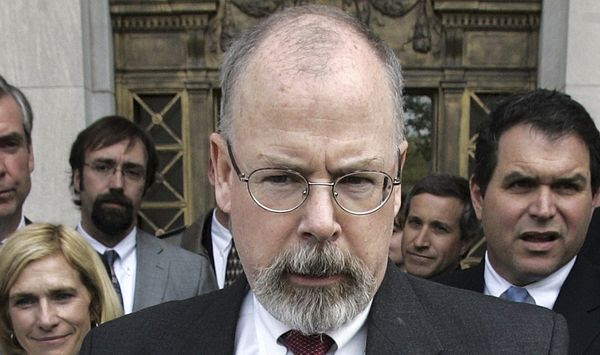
(282,190)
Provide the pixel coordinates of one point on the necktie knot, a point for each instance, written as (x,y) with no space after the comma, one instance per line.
(110,256)
(517,294)
(300,344)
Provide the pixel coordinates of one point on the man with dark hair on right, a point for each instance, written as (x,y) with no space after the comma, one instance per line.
(535,185)
(440,225)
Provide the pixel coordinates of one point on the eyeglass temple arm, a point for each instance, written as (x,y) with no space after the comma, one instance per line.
(241,175)
(398,179)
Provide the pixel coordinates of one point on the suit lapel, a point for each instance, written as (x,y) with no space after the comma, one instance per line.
(151,272)
(397,318)
(579,302)
(214,331)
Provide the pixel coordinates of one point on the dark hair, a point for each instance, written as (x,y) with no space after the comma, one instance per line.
(22,103)
(550,112)
(105,132)
(446,185)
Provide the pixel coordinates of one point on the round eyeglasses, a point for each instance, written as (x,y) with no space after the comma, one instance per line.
(284,190)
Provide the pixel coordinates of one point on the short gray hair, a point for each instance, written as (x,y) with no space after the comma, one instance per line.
(22,103)
(244,47)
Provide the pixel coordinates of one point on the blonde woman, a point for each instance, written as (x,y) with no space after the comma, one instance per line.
(53,289)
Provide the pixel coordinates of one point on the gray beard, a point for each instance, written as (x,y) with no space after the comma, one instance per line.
(313,310)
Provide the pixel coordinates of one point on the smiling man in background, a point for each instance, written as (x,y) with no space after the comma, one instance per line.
(440,225)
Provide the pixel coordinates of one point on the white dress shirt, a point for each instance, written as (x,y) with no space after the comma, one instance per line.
(221,243)
(544,292)
(21,222)
(257,332)
(124,266)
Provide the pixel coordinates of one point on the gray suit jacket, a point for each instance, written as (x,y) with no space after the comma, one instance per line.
(408,316)
(166,273)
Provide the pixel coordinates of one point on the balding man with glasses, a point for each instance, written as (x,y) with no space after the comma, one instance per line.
(113,164)
(307,163)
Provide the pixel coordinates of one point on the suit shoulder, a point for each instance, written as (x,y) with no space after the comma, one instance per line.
(475,305)
(178,253)
(149,329)
(174,327)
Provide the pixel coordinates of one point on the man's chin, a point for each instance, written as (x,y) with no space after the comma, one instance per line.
(8,209)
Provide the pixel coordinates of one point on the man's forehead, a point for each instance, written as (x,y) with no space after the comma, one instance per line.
(425,199)
(10,115)
(109,149)
(529,151)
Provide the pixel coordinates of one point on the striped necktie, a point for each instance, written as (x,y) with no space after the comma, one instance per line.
(109,258)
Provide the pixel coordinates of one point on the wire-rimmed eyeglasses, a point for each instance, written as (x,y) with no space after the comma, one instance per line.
(284,190)
(106,169)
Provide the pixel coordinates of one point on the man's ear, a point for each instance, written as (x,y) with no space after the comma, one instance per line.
(76,181)
(398,190)
(222,171)
(476,198)
(31,161)
(596,198)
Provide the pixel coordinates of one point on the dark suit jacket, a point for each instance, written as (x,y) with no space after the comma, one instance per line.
(578,301)
(408,316)
(591,246)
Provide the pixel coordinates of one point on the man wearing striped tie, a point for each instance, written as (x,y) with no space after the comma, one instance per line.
(534,187)
(113,163)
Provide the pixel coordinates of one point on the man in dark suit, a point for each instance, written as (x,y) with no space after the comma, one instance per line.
(16,157)
(307,163)
(534,187)
(113,163)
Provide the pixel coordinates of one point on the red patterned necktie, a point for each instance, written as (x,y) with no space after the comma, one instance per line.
(300,344)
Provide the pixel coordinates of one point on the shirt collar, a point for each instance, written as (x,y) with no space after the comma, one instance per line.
(544,292)
(21,222)
(221,236)
(341,336)
(124,248)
